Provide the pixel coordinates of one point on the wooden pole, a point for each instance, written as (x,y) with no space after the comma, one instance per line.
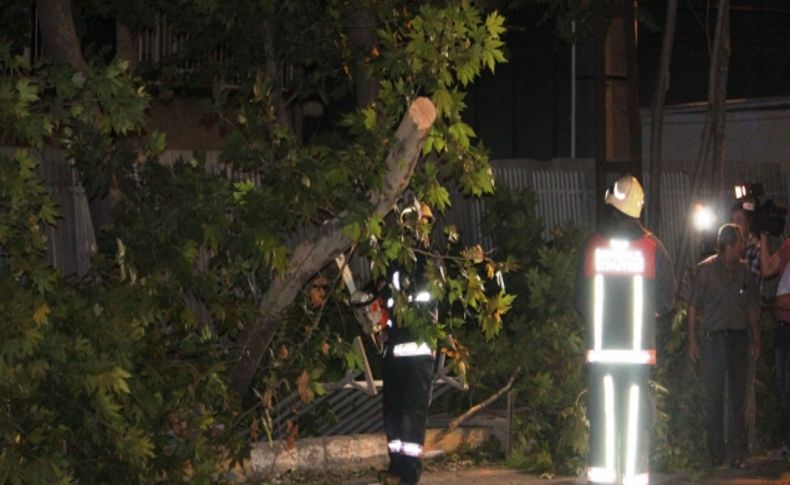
(657,114)
(703,179)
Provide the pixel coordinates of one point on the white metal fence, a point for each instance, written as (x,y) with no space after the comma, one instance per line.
(566,195)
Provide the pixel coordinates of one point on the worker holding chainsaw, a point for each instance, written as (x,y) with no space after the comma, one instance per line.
(409,351)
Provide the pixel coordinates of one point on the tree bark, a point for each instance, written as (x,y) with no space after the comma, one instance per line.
(362,33)
(703,179)
(657,124)
(273,68)
(720,101)
(312,255)
(125,45)
(58,33)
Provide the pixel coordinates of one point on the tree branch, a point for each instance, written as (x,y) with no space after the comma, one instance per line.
(362,34)
(273,66)
(311,255)
(454,424)
(657,124)
(713,130)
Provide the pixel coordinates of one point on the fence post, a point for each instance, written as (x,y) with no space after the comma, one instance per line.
(509,427)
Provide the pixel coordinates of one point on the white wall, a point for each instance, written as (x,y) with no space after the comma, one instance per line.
(757,131)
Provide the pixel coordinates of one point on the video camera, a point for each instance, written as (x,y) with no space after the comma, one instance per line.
(766,217)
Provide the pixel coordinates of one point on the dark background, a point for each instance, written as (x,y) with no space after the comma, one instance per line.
(523,110)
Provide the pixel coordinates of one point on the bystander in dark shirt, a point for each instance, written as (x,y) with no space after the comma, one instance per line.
(724,297)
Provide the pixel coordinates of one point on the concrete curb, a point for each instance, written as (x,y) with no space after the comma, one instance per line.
(334,452)
(350,452)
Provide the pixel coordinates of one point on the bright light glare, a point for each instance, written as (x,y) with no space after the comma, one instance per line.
(704,218)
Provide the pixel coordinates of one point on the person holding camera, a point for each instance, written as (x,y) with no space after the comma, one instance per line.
(725,295)
(771,265)
(741,216)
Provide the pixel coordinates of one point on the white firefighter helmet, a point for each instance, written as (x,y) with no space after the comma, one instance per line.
(627,196)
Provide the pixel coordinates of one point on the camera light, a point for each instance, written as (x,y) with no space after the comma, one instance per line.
(704,218)
(740,191)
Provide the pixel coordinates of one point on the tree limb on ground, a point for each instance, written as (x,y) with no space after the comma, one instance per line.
(454,424)
(312,255)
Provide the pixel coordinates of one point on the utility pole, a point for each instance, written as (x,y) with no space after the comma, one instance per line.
(608,83)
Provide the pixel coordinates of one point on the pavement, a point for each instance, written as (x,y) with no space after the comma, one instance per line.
(764,471)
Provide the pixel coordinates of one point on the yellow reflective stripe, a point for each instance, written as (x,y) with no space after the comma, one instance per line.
(622,356)
(618,258)
(411,449)
(633,422)
(411,349)
(638,310)
(598,312)
(601,475)
(609,417)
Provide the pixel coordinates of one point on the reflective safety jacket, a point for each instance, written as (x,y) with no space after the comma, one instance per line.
(623,283)
(416,287)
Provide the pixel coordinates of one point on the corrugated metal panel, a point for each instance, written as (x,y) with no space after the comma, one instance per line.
(566,194)
(563,197)
(71,242)
(351,412)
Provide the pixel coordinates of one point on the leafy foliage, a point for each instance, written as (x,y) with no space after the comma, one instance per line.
(103,378)
(678,443)
(541,334)
(678,390)
(121,376)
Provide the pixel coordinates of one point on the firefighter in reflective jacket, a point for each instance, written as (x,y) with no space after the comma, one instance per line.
(408,368)
(624,282)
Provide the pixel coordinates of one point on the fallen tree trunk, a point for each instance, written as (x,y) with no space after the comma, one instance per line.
(312,255)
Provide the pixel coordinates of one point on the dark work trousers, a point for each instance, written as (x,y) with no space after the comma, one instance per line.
(407,394)
(782,364)
(726,360)
(620,416)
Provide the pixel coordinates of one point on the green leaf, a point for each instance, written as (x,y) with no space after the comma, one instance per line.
(443,101)
(119,384)
(242,189)
(28,92)
(495,24)
(369,115)
(189,251)
(352,231)
(157,142)
(41,315)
